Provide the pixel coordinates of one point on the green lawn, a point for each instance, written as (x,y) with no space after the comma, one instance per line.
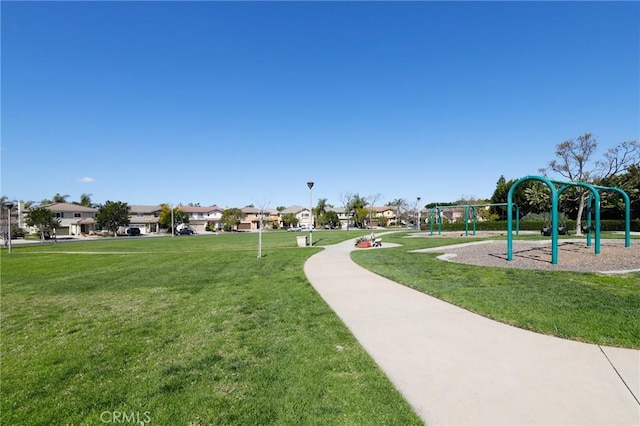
(581,306)
(181,331)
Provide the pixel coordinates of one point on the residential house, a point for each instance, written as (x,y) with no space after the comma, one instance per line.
(201,218)
(252,217)
(389,212)
(344,217)
(301,213)
(74,219)
(144,218)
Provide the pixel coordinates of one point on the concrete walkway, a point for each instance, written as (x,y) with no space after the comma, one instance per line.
(458,368)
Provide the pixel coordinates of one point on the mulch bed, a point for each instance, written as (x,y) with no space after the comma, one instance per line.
(573,255)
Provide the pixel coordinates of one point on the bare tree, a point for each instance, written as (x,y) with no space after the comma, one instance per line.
(262,206)
(346,198)
(575,162)
(373,199)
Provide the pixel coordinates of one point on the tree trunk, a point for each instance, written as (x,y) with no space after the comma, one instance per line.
(579,215)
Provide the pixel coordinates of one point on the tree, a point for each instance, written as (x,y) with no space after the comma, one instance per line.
(85,200)
(60,198)
(43,219)
(112,215)
(320,211)
(538,196)
(231,218)
(331,219)
(382,220)
(360,219)
(629,182)
(500,197)
(165,219)
(575,162)
(398,203)
(373,199)
(357,204)
(346,198)
(289,219)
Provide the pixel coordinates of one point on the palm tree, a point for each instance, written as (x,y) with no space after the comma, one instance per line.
(320,210)
(60,198)
(85,200)
(397,203)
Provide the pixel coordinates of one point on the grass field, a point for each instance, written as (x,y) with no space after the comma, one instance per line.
(581,306)
(199,331)
(181,331)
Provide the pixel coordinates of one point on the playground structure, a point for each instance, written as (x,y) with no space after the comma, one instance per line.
(468,208)
(594,198)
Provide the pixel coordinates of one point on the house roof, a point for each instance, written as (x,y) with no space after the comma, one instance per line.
(86,221)
(384,209)
(251,210)
(144,209)
(294,209)
(199,209)
(67,207)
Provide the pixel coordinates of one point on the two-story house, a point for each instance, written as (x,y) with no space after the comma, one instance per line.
(144,218)
(252,217)
(74,219)
(301,213)
(201,218)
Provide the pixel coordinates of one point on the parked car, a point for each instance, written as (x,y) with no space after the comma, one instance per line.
(294,229)
(185,231)
(133,231)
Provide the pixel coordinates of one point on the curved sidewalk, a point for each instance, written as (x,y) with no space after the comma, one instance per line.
(458,368)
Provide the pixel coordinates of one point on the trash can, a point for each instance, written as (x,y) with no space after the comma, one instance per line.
(302,241)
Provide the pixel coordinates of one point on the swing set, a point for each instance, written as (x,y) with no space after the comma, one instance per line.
(557,188)
(435,215)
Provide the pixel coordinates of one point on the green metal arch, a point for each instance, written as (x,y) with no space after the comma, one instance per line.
(595,194)
(473,207)
(554,216)
(555,194)
(627,213)
(435,210)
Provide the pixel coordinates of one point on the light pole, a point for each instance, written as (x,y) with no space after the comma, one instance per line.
(9,206)
(418,213)
(310,185)
(260,236)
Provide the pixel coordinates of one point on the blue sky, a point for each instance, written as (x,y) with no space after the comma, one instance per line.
(236,103)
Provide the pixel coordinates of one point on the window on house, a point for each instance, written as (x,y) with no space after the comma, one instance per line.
(77,215)
(59,215)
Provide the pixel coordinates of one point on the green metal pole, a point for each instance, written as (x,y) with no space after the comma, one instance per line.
(474,219)
(589,202)
(554,227)
(431,222)
(466,221)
